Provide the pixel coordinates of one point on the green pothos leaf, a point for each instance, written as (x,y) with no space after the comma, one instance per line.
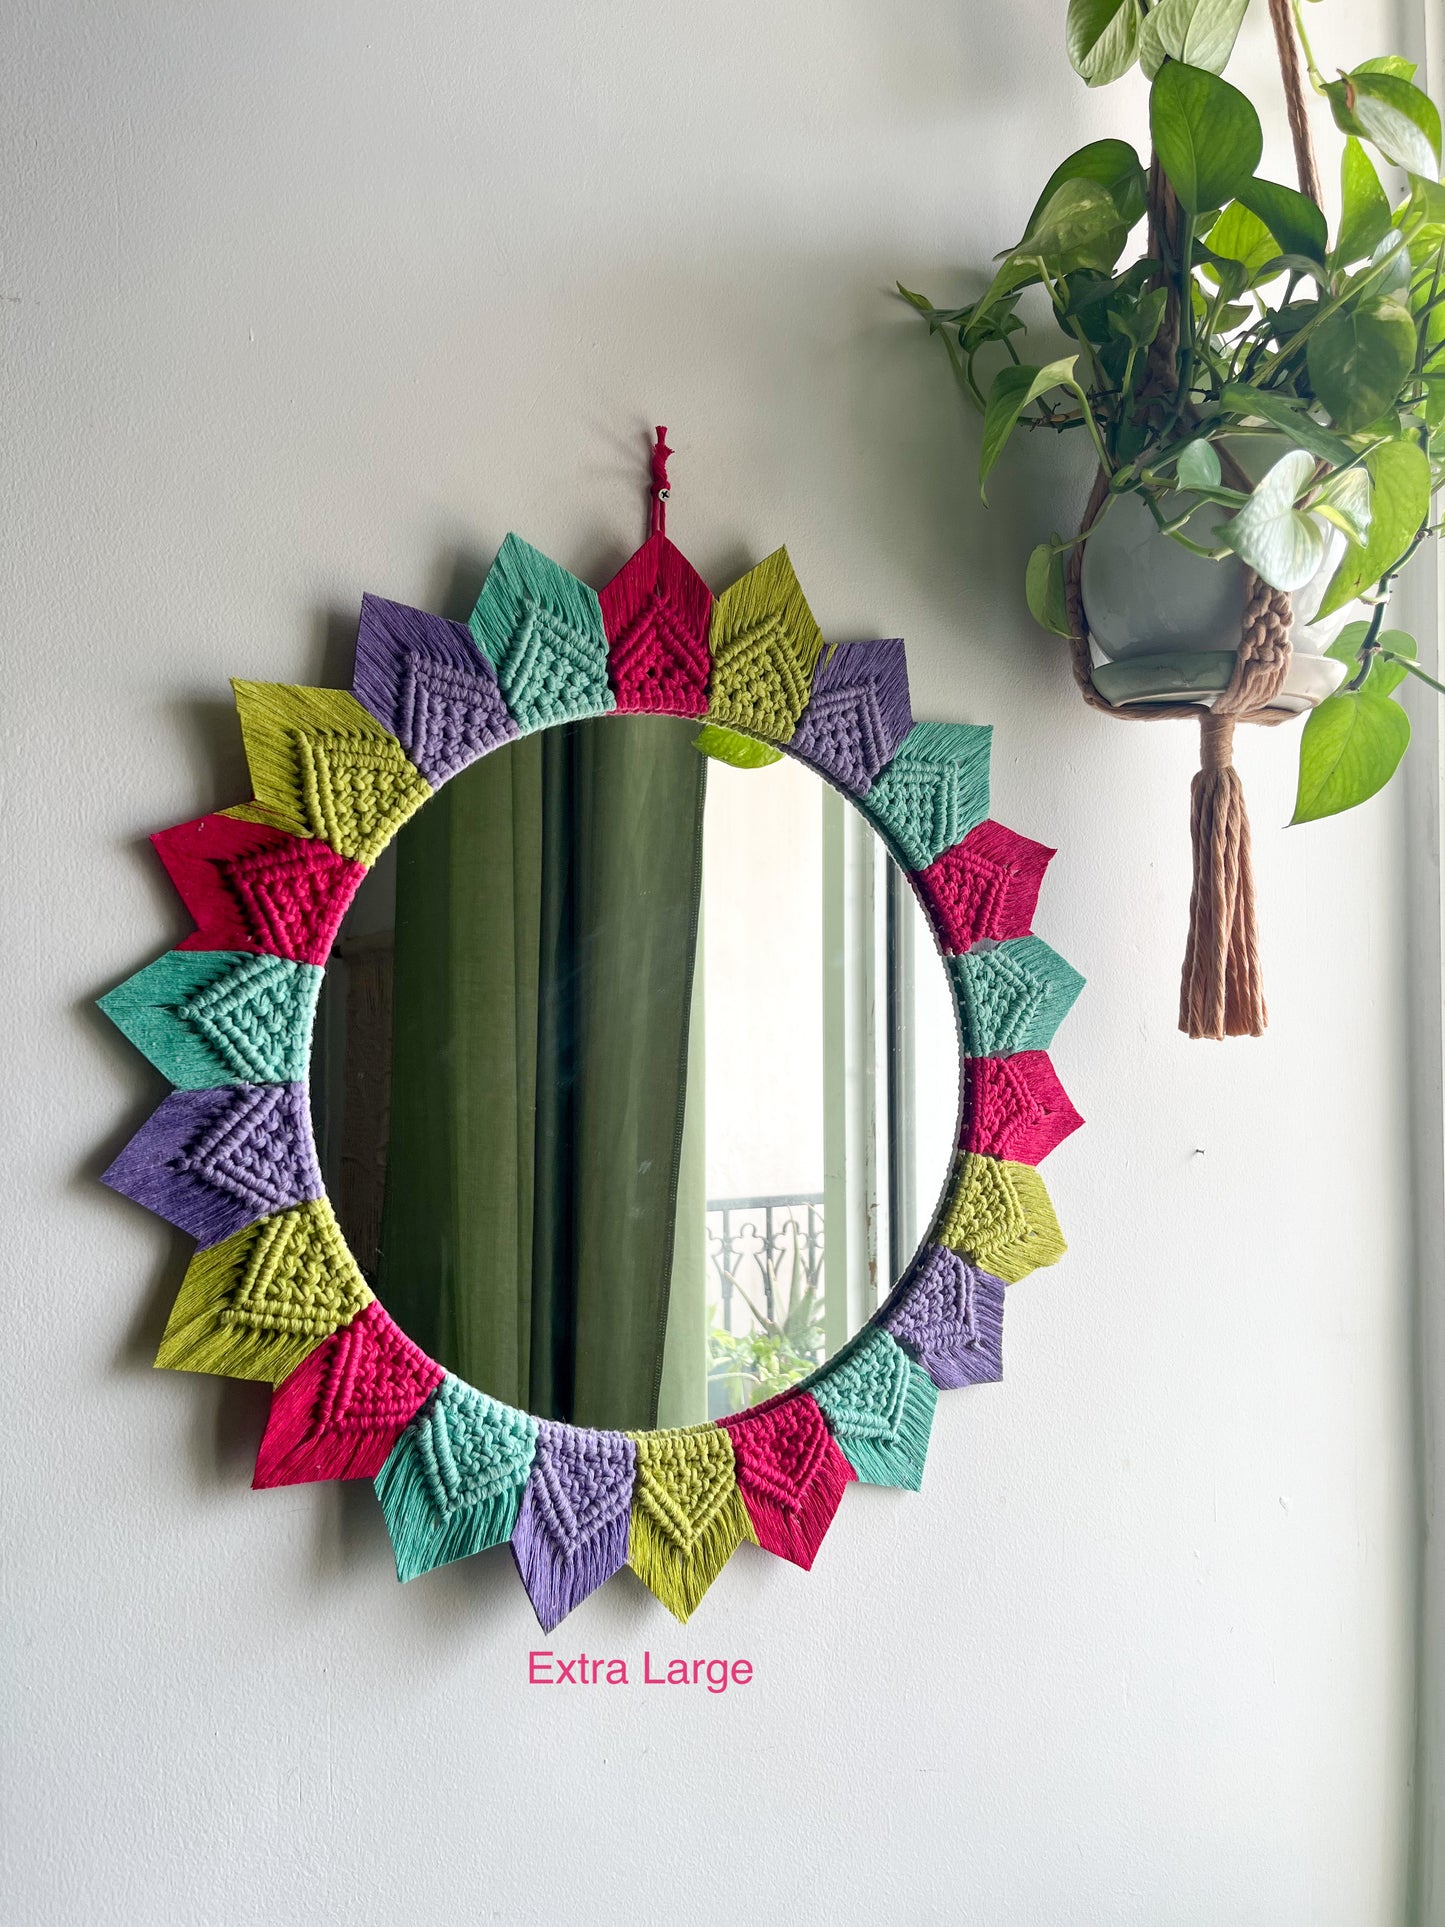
(1044,588)
(1013,389)
(1350,748)
(1364,206)
(1102,37)
(1399,504)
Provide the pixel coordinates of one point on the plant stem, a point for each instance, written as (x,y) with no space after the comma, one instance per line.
(1317,79)
(1414,668)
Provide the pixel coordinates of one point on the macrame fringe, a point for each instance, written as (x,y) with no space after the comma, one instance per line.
(421,1537)
(212,1162)
(255,1305)
(1013,997)
(571,1533)
(656,611)
(342,1410)
(253,887)
(688,1516)
(322,765)
(1015,1107)
(948,1316)
(556,1580)
(858,713)
(999,1214)
(898,1460)
(428,684)
(796,1532)
(879,1406)
(541,630)
(678,1576)
(1221,991)
(791,1475)
(985,888)
(210,1017)
(765,645)
(453,1483)
(934,791)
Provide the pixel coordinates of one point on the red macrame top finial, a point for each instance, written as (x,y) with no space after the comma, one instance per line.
(660,487)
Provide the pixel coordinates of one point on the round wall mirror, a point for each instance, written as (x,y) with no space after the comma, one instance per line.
(611,1071)
(636,1077)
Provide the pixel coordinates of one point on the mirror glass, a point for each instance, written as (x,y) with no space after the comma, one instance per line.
(636,1076)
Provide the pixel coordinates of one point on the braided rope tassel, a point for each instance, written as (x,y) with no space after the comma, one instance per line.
(1221,991)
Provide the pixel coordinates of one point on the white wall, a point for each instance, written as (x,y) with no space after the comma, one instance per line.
(304,300)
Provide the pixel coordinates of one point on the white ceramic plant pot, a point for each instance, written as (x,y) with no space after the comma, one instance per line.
(1165,623)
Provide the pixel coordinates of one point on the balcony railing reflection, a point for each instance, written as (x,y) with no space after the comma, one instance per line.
(765,1257)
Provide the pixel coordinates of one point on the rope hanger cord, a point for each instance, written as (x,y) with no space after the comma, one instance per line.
(661,489)
(1221,991)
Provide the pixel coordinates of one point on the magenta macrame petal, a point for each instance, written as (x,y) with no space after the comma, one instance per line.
(656,612)
(214,1161)
(571,1530)
(1016,1108)
(347,1403)
(425,680)
(791,1475)
(949,1316)
(858,713)
(250,886)
(985,888)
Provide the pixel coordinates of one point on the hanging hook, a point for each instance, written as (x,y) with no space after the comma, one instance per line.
(661,489)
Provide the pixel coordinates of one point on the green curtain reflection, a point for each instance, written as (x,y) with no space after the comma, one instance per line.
(546,931)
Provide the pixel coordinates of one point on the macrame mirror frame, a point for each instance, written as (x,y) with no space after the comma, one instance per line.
(273,1292)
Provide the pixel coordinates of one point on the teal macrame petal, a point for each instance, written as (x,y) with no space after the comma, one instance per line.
(879,1406)
(454,1481)
(934,791)
(541,630)
(1012,998)
(211,1017)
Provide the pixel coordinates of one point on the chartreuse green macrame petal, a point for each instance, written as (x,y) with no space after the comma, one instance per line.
(765,646)
(879,1406)
(256,1305)
(541,630)
(934,791)
(321,765)
(210,1017)
(688,1515)
(998,1214)
(1013,997)
(454,1481)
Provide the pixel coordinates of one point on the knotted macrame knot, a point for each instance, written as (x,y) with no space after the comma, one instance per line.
(1216,742)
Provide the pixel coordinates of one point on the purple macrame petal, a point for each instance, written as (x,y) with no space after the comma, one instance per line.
(426,681)
(571,1531)
(950,1317)
(858,713)
(213,1162)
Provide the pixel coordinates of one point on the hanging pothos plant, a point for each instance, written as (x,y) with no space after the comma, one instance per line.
(1242,316)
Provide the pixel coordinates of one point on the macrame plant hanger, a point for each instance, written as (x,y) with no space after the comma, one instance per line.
(1221,993)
